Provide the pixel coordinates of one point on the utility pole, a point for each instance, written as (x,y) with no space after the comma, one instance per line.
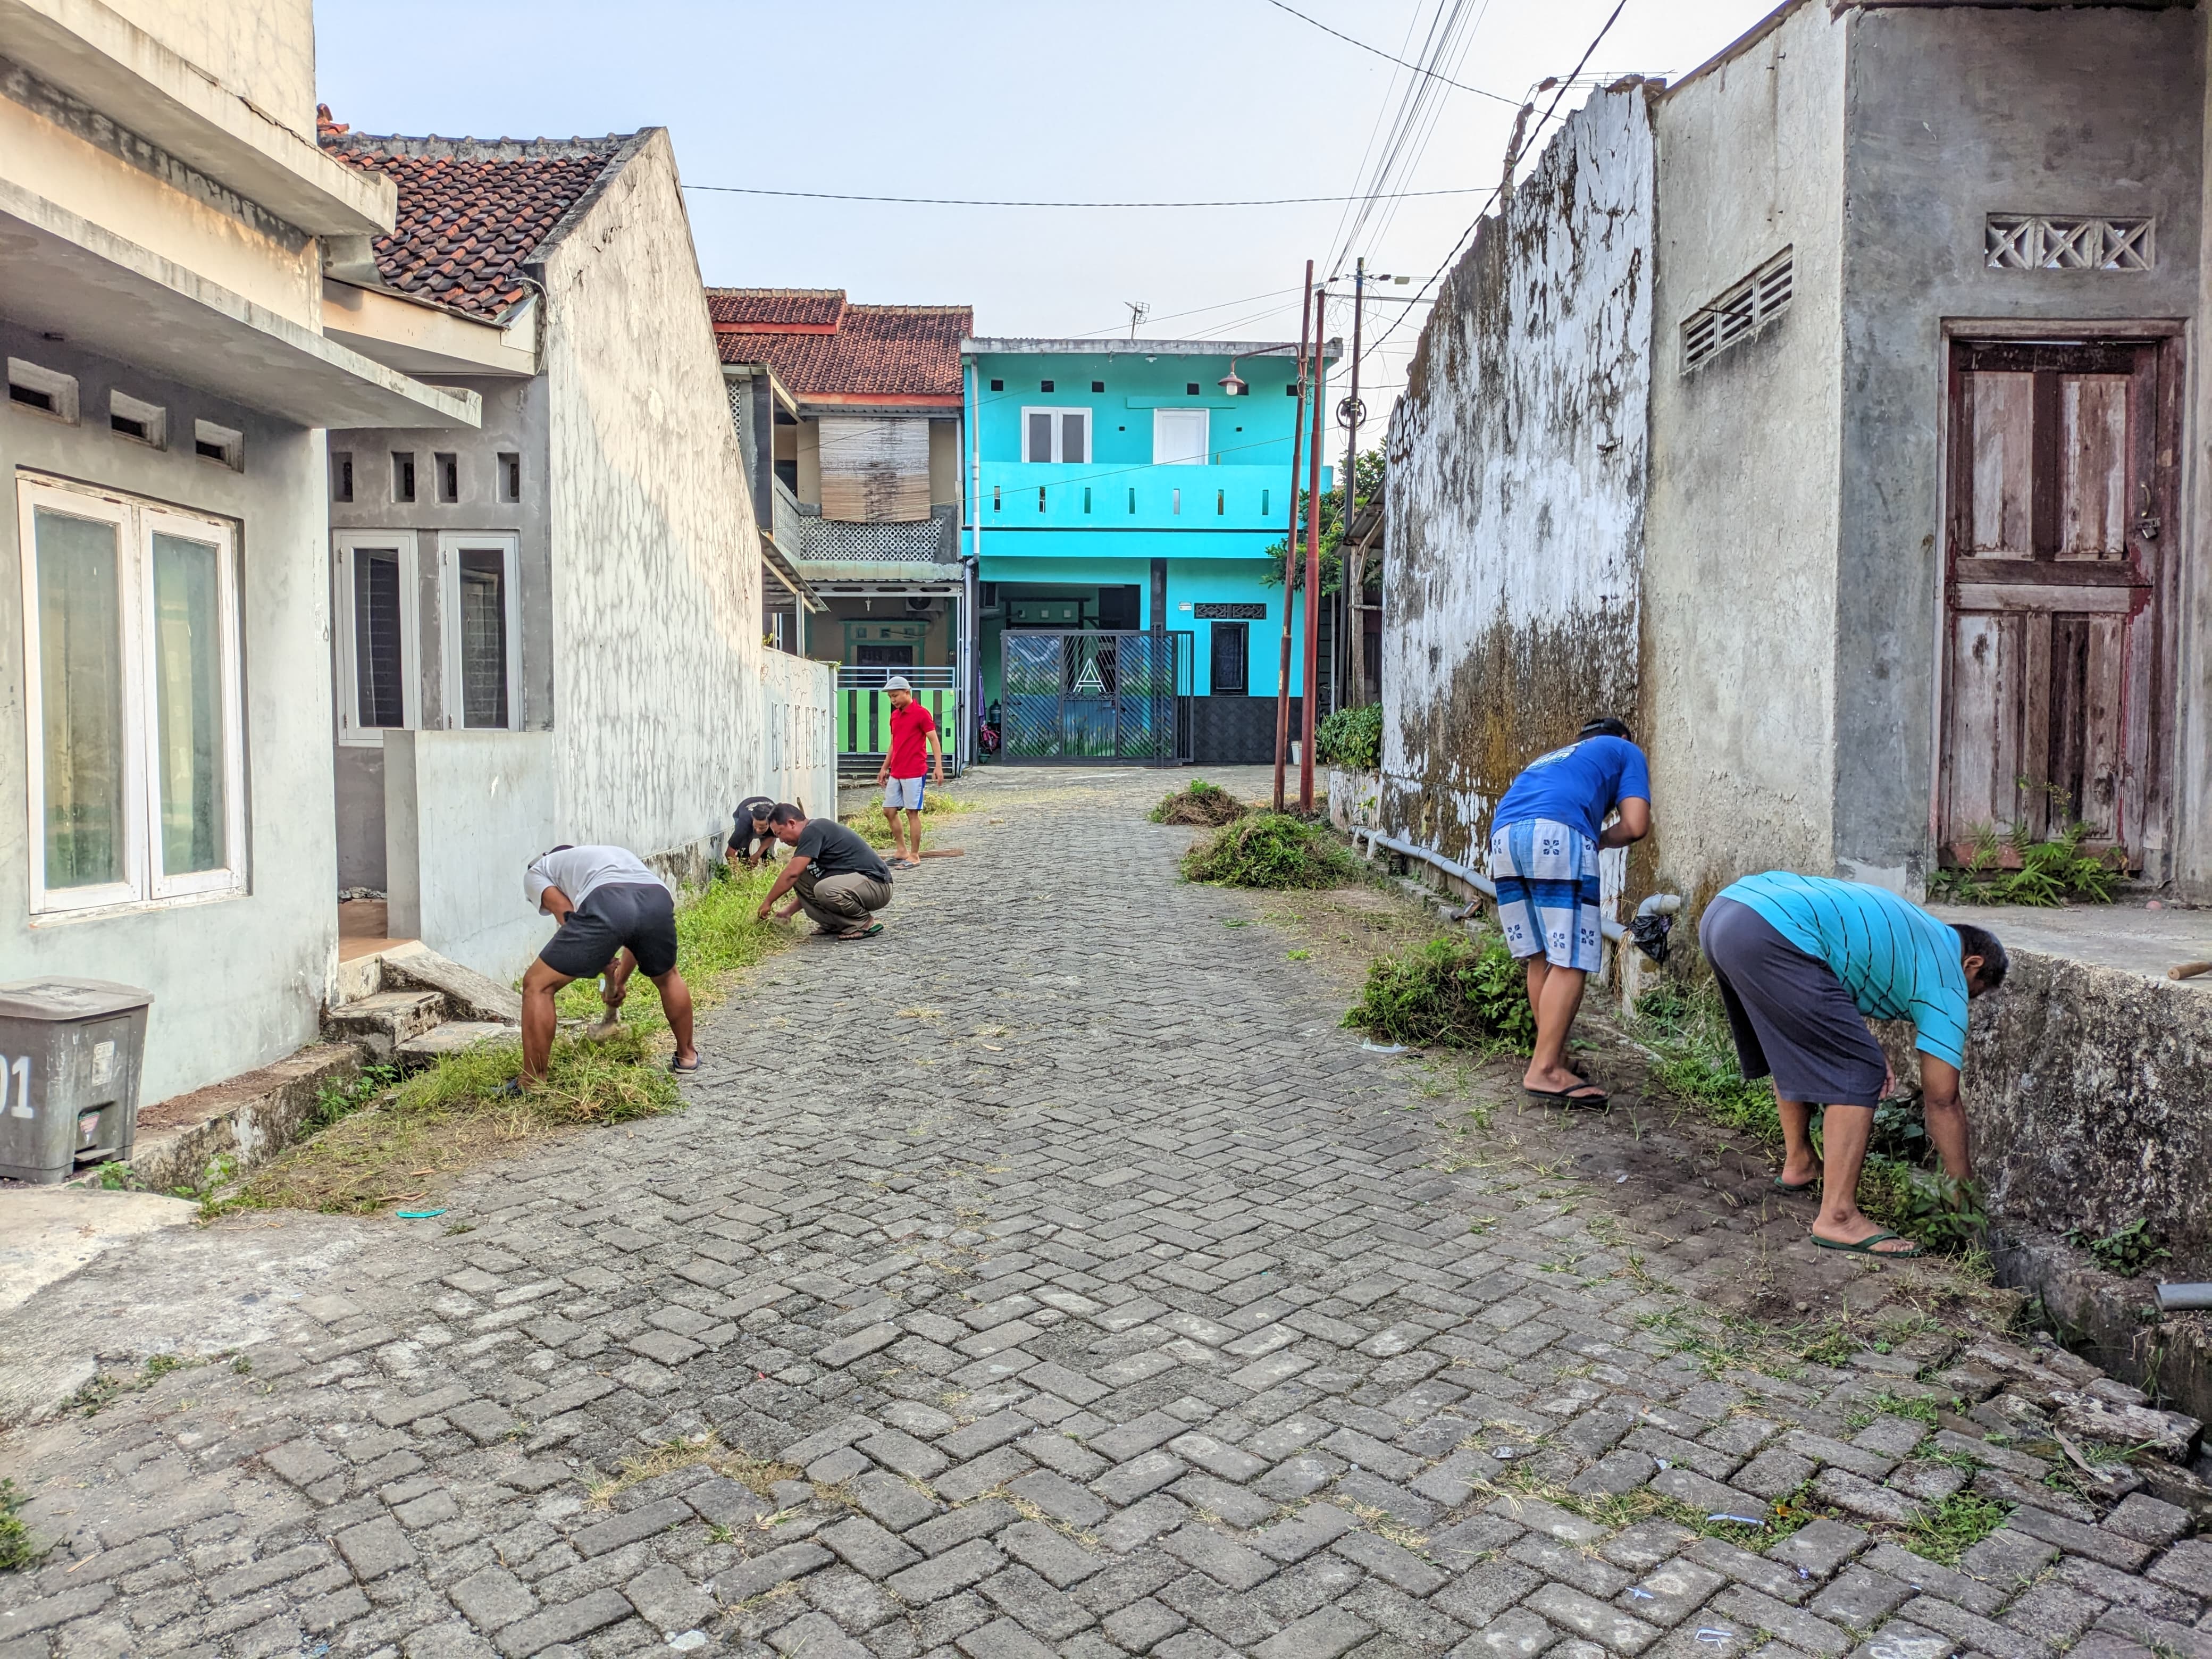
(1291,547)
(1352,582)
(1313,559)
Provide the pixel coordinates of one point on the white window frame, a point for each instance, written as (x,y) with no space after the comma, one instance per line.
(1059,412)
(1204,442)
(346,544)
(136,522)
(451,544)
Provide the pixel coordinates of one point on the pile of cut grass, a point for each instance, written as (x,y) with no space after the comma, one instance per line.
(387,1139)
(451,1116)
(1269,850)
(1207,806)
(1450,993)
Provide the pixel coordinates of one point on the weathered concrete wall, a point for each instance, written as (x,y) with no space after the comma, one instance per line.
(1739,577)
(2193,753)
(655,559)
(1954,113)
(2090,1094)
(798,712)
(237,981)
(514,423)
(261,50)
(1517,477)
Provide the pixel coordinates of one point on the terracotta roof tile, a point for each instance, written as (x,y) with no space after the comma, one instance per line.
(471,215)
(884,352)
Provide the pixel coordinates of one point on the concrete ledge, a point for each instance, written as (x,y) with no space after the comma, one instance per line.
(248,1118)
(2112,1321)
(2089,1089)
(469,995)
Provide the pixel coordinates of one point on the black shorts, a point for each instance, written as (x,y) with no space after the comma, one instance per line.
(1790,1015)
(635,915)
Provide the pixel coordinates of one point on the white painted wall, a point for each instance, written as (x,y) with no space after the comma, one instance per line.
(658,699)
(468,812)
(1516,486)
(799,699)
(1740,566)
(261,50)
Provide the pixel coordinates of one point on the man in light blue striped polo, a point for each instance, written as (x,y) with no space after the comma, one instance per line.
(1803,962)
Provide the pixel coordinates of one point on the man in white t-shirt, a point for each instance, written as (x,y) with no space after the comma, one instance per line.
(616,917)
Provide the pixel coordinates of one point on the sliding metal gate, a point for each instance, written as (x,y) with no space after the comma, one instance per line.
(1073,697)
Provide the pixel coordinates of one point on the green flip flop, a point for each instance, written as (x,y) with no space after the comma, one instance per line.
(1866,1247)
(1799,1186)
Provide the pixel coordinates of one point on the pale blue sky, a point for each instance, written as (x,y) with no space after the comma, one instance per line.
(1144,100)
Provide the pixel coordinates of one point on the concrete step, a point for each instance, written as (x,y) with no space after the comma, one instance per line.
(384,1020)
(451,1038)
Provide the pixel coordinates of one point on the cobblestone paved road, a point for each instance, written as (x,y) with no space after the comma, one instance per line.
(1049,1276)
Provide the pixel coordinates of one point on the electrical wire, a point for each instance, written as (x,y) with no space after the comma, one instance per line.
(1459,86)
(1436,275)
(1410,127)
(968,201)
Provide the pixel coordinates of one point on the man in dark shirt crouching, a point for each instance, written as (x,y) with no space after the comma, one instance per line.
(833,875)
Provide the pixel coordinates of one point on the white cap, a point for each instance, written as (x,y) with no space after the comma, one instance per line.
(896,683)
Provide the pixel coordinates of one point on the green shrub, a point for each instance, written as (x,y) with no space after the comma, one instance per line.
(1269,850)
(1351,737)
(16,1549)
(2126,1251)
(1200,803)
(2050,873)
(1452,994)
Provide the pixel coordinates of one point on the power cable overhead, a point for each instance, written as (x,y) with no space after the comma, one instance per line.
(1459,86)
(973,201)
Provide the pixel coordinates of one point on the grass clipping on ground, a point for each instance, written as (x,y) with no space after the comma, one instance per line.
(870,825)
(385,1140)
(1269,850)
(1466,992)
(1207,806)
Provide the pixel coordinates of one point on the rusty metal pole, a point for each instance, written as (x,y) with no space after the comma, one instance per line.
(1313,560)
(1291,551)
(1349,593)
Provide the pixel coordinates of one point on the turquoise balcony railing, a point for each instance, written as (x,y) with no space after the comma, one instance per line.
(1059,496)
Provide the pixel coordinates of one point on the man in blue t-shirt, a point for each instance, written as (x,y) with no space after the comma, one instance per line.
(1544,841)
(1802,963)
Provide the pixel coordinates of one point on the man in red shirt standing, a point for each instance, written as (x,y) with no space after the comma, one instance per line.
(914,742)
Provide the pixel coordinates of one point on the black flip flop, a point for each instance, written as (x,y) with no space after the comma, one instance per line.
(676,1065)
(1570,1097)
(1866,1247)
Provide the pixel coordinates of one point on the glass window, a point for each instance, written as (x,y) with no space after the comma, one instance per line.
(484,636)
(1074,434)
(1055,434)
(188,753)
(378,659)
(1040,443)
(138,766)
(81,696)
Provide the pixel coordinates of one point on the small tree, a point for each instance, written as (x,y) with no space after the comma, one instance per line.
(1368,477)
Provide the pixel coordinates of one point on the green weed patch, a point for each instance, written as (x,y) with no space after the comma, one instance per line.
(1269,850)
(2014,870)
(869,824)
(1351,737)
(16,1549)
(1450,993)
(1689,1033)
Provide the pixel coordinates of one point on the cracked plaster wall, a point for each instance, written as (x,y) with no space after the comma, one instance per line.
(1517,499)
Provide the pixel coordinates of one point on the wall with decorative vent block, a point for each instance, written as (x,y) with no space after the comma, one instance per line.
(1517,478)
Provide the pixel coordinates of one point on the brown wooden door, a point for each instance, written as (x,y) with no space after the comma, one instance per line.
(2060,466)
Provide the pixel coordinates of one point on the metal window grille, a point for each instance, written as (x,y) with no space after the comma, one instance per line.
(1739,313)
(2042,241)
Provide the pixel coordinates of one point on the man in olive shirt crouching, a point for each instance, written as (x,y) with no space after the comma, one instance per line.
(833,875)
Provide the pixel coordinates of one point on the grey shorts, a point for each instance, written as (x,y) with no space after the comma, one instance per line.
(1791,1018)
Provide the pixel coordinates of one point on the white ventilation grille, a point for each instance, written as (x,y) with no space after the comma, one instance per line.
(2042,241)
(1742,311)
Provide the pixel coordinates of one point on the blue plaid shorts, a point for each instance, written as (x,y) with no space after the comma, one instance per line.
(1547,893)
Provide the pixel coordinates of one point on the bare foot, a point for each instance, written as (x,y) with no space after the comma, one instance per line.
(1800,1171)
(1856,1229)
(1552,1080)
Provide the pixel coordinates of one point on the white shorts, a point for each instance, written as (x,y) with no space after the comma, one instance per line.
(902,792)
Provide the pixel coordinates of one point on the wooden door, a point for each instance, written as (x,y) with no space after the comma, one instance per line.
(2062,459)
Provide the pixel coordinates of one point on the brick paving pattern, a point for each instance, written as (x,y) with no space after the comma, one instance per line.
(1052,1277)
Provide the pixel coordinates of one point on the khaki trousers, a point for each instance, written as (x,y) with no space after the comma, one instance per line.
(840,904)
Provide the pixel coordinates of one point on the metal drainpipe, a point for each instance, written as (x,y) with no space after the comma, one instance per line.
(1656,904)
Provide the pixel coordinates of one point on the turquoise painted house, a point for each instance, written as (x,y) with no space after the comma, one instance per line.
(1121,500)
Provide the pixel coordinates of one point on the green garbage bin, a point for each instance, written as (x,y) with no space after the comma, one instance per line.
(70,1052)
